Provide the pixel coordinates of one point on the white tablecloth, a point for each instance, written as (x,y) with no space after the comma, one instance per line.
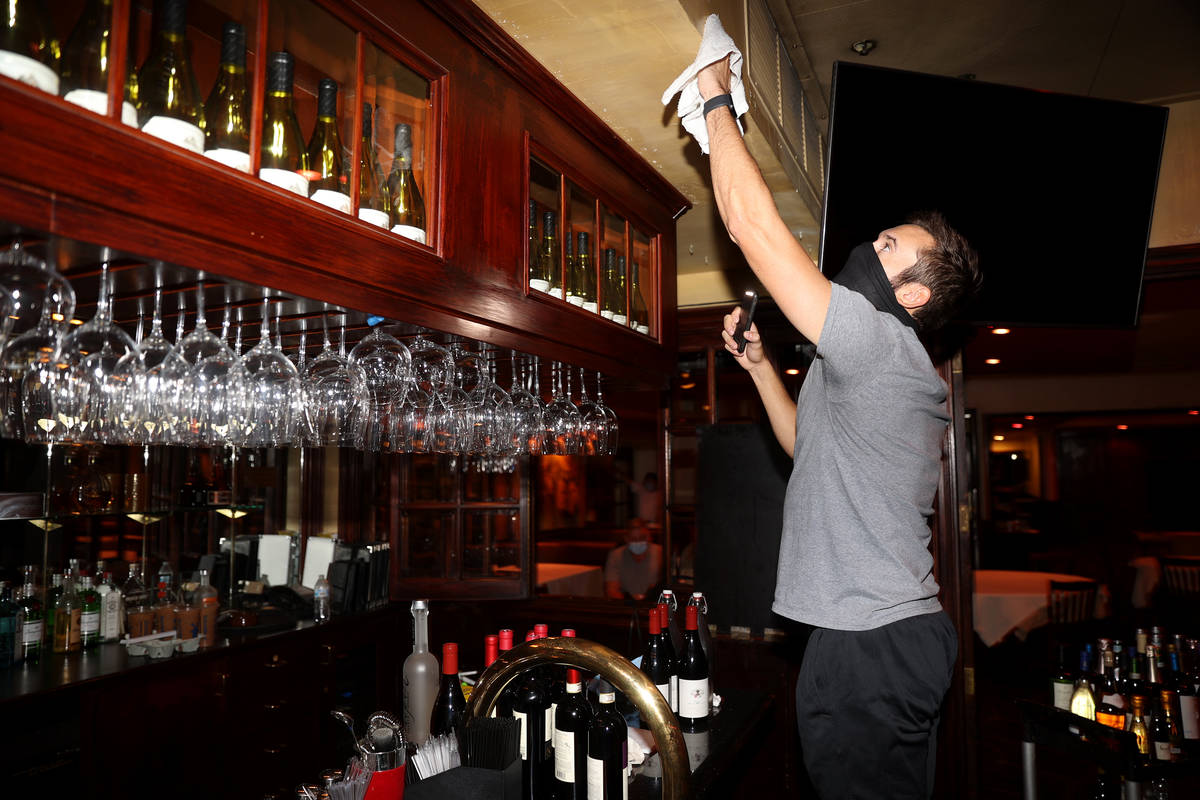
(1014,601)
(581,580)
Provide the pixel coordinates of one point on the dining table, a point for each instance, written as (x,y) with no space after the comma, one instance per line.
(1017,601)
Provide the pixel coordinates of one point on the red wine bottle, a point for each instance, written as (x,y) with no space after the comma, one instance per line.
(571,722)
(531,707)
(654,664)
(607,755)
(668,655)
(450,704)
(558,685)
(491,649)
(504,702)
(693,677)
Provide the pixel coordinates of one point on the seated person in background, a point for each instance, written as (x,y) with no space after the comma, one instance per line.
(634,568)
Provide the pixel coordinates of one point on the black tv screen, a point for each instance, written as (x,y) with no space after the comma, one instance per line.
(1055,191)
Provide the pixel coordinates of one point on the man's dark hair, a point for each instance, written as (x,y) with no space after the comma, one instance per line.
(950,268)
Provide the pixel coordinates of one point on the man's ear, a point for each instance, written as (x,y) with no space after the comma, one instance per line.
(913,295)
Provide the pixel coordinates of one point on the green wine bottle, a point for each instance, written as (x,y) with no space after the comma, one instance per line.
(408,209)
(639,315)
(373,204)
(227,110)
(85,60)
(329,186)
(29,50)
(542,270)
(608,288)
(283,159)
(619,303)
(169,104)
(585,273)
(556,275)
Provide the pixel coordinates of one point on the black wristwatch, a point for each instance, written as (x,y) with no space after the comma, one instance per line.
(717,102)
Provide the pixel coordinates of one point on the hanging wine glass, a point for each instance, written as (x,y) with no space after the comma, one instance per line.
(337,391)
(388,367)
(161,391)
(593,424)
(527,413)
(214,383)
(433,374)
(493,422)
(561,418)
(271,383)
(130,407)
(614,428)
(302,417)
(86,403)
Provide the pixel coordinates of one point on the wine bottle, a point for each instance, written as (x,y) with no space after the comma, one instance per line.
(669,654)
(1185,690)
(639,315)
(556,274)
(33,628)
(408,209)
(607,754)
(169,104)
(206,598)
(694,692)
(328,185)
(654,664)
(89,616)
(283,160)
(531,707)
(66,618)
(608,285)
(373,206)
(111,612)
(450,705)
(1137,725)
(574,289)
(558,687)
(85,60)
(620,308)
(585,273)
(701,604)
(227,110)
(674,625)
(1062,684)
(571,721)
(11,624)
(420,678)
(541,274)
(533,237)
(29,50)
(1165,736)
(504,703)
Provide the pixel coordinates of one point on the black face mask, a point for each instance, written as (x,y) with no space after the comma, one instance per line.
(864,274)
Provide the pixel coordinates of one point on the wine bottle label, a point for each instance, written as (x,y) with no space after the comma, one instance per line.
(665,690)
(1189,721)
(697,748)
(176,131)
(595,779)
(591,306)
(693,698)
(675,693)
(230,158)
(335,200)
(564,756)
(89,622)
(519,716)
(28,71)
(606,314)
(556,291)
(645,329)
(575,300)
(539,285)
(97,103)
(548,726)
(1162,751)
(285,179)
(620,319)
(1113,699)
(31,633)
(374,216)
(410,232)
(1062,695)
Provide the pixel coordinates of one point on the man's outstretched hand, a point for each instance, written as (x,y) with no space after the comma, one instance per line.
(715,79)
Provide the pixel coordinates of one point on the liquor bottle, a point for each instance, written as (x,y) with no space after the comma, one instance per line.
(227,110)
(206,598)
(169,104)
(373,206)
(450,704)
(1165,736)
(571,721)
(11,617)
(408,209)
(52,595)
(556,274)
(1137,725)
(85,61)
(29,50)
(112,610)
(607,754)
(543,267)
(164,609)
(694,692)
(669,653)
(585,273)
(283,160)
(420,678)
(697,599)
(89,614)
(608,286)
(639,316)
(66,618)
(1153,668)
(620,307)
(504,702)
(531,706)
(674,622)
(329,184)
(322,610)
(33,626)
(654,665)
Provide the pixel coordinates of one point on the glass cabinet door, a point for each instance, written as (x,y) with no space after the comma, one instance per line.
(545,244)
(614,298)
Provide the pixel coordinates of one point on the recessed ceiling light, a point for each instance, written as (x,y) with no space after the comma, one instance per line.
(792,371)
(1001,331)
(687,386)
(992,361)
(1194,413)
(863,46)
(1018,425)
(1029,416)
(1122,427)
(998,437)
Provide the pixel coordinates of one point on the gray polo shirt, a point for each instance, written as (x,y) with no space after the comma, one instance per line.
(870,422)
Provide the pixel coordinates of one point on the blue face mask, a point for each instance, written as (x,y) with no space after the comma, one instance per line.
(637,548)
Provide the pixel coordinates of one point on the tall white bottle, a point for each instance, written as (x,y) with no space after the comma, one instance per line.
(421,675)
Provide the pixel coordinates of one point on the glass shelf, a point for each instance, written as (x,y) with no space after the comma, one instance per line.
(148,517)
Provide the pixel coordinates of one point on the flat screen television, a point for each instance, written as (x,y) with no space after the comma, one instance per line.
(1055,191)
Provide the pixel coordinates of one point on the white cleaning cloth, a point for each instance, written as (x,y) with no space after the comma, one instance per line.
(714,46)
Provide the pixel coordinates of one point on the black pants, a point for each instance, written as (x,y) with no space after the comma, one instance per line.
(867,706)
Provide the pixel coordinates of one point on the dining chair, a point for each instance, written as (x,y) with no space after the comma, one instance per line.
(1072,601)
(1181,578)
